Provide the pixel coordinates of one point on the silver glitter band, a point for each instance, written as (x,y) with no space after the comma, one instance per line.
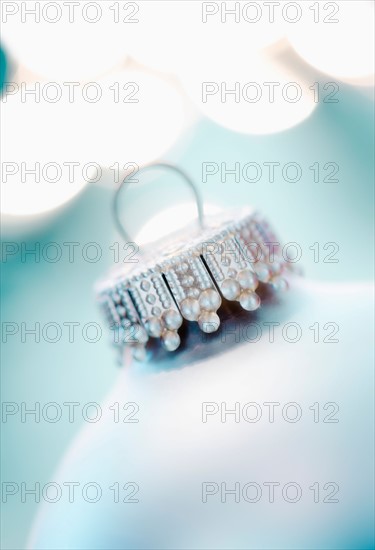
(227,260)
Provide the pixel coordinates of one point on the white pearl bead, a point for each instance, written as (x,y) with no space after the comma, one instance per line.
(280,284)
(133,334)
(249,300)
(209,321)
(210,300)
(263,273)
(190,309)
(139,353)
(247,279)
(231,289)
(154,327)
(139,334)
(171,340)
(172,319)
(275,267)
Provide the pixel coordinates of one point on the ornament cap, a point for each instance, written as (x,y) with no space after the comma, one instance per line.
(188,275)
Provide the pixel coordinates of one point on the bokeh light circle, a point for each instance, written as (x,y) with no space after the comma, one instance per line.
(343,49)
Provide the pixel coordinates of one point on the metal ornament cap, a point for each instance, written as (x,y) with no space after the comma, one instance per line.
(188,275)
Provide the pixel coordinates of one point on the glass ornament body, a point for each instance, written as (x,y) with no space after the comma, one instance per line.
(220,445)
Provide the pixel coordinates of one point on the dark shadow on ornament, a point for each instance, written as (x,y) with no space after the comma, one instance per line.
(237,327)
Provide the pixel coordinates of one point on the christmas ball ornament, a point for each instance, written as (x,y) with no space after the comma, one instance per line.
(187,277)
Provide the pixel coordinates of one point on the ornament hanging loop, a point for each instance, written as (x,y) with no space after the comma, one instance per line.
(124,184)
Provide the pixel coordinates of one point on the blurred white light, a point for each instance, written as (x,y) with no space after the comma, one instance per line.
(158,42)
(344,49)
(51,149)
(40,142)
(137,119)
(256,95)
(83,42)
(186,30)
